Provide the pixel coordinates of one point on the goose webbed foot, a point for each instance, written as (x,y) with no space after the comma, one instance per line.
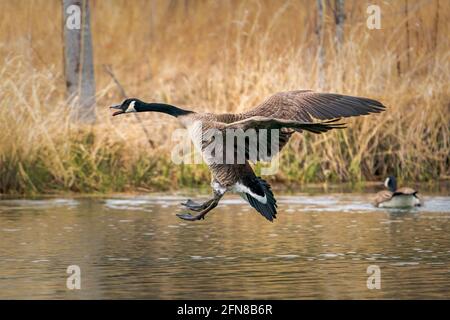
(189,217)
(190,203)
(202,208)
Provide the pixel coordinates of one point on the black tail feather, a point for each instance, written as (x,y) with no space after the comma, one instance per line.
(269,209)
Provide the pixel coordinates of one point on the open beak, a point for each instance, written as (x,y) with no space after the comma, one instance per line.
(117,107)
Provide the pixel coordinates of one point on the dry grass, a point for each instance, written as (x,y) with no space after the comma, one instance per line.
(220,56)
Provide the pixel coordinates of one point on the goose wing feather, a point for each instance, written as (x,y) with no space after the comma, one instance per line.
(273,146)
(406,191)
(259,122)
(304,105)
(382,196)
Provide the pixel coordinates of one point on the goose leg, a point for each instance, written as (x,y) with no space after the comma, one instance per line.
(208,206)
(194,206)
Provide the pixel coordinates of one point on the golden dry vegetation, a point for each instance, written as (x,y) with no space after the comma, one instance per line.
(221,56)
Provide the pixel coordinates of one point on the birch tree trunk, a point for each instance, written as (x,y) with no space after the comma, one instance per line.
(321,49)
(78,59)
(339,18)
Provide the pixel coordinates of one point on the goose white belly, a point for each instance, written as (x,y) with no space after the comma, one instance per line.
(400,201)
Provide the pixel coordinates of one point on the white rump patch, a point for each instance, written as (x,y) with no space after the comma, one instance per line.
(240,188)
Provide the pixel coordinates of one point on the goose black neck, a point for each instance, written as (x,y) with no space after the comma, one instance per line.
(392,185)
(161,107)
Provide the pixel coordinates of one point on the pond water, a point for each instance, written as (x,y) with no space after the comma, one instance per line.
(135,247)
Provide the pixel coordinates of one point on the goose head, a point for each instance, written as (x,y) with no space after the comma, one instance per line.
(127,106)
(136,105)
(391,183)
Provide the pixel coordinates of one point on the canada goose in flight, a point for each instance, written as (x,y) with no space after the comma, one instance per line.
(396,198)
(289,112)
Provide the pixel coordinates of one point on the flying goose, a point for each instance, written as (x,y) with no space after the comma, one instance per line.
(397,198)
(289,112)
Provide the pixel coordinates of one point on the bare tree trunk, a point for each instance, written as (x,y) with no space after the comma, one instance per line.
(321,49)
(339,16)
(436,27)
(78,59)
(407,35)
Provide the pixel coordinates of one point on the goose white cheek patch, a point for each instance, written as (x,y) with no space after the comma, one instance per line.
(131,107)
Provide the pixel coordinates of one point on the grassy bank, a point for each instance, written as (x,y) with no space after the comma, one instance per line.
(220,57)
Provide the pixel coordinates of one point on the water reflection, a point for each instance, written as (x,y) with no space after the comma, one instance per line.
(135,247)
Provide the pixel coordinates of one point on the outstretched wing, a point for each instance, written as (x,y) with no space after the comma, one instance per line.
(304,105)
(294,111)
(291,110)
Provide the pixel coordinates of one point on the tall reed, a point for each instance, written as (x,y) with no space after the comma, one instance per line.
(222,57)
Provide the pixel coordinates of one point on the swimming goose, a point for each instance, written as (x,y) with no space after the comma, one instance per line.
(274,121)
(397,198)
